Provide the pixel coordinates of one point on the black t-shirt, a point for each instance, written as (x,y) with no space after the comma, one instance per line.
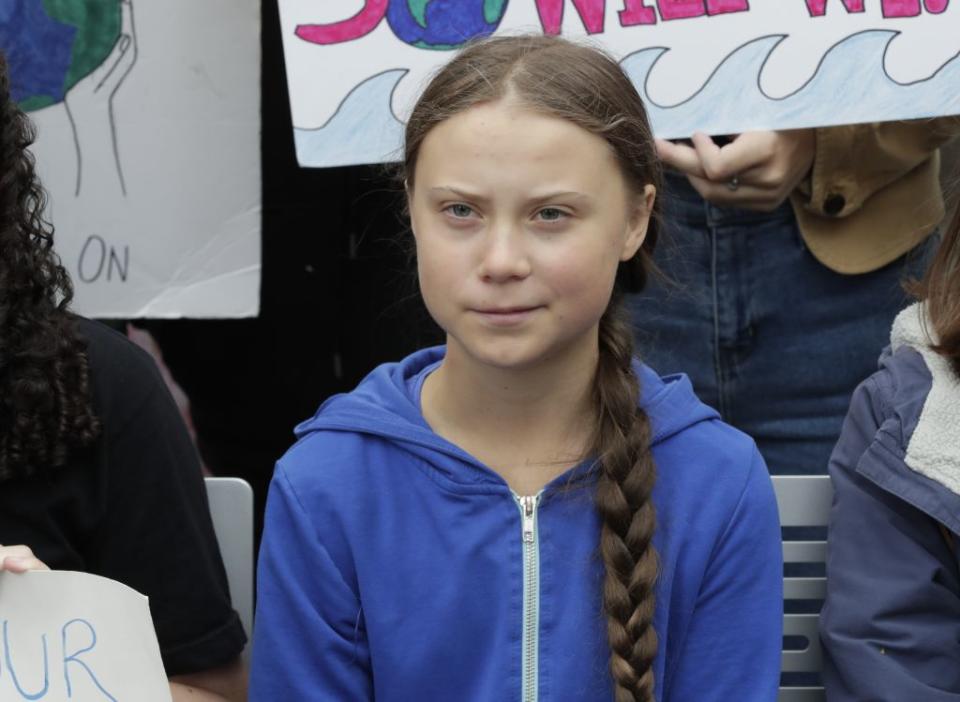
(132,507)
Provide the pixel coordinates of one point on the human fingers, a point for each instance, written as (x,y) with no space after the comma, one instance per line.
(737,157)
(680,157)
(735,194)
(19,559)
(22,565)
(792,154)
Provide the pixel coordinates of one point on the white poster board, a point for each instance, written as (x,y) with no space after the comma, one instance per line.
(75,637)
(354,67)
(149,146)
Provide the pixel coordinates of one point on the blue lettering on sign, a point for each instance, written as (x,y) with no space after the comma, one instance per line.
(13,673)
(74,657)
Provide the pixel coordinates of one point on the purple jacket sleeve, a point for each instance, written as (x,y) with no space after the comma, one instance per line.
(891,622)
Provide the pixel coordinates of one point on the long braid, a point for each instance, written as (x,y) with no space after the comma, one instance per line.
(625,484)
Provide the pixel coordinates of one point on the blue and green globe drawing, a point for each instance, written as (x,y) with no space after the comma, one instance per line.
(50,45)
(444,24)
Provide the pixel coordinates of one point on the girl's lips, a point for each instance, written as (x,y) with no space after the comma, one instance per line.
(506,316)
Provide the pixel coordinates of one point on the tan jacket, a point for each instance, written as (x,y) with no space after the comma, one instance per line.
(873,193)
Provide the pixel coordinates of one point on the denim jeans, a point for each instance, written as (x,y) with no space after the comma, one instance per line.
(770,337)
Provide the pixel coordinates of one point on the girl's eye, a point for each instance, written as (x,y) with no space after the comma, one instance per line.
(551,214)
(460,211)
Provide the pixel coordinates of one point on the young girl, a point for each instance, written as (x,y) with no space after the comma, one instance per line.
(526,513)
(890,625)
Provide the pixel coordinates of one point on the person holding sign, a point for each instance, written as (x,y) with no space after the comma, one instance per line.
(889,625)
(785,259)
(97,472)
(453,528)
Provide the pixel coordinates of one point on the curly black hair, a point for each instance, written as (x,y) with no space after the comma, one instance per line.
(45,398)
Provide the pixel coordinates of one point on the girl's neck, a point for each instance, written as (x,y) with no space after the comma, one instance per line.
(529,424)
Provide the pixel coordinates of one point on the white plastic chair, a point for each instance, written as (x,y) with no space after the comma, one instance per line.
(231,507)
(804,501)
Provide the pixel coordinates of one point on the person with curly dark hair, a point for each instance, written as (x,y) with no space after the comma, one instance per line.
(45,407)
(97,471)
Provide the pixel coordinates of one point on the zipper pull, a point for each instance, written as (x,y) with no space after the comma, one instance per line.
(529,503)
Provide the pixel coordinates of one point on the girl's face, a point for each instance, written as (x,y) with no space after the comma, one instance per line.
(520,221)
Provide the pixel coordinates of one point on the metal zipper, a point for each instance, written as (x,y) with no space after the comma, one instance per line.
(531,596)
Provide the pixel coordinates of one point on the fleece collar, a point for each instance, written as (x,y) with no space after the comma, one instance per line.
(934,448)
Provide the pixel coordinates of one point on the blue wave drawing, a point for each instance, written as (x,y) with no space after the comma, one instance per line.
(849,83)
(363,129)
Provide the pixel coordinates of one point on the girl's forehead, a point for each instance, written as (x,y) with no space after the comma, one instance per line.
(508,137)
(504,116)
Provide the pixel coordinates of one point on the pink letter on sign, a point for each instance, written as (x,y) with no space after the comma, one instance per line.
(900,8)
(551,15)
(680,9)
(357,26)
(818,8)
(635,12)
(719,7)
(935,7)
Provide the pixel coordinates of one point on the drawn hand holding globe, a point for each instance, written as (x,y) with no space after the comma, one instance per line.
(89,104)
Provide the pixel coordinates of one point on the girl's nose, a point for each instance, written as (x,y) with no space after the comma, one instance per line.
(504,255)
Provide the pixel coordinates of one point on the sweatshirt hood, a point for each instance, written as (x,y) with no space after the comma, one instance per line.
(382,406)
(934,446)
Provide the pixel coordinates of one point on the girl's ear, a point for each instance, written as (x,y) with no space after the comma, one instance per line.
(637,222)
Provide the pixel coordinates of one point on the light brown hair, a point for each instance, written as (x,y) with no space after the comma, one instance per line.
(552,76)
(940,289)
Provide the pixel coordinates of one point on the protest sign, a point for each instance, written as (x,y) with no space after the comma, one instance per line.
(716,66)
(77,637)
(149,147)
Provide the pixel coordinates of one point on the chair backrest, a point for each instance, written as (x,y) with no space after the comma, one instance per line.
(231,507)
(804,501)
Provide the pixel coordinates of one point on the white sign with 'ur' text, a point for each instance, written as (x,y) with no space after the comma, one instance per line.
(75,637)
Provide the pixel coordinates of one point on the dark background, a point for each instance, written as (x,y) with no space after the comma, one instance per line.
(338,296)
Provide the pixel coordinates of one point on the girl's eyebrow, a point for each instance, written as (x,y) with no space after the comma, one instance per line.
(462,194)
(538,199)
(562,195)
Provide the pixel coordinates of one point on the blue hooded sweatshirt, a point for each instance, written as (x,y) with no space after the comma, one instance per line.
(396,567)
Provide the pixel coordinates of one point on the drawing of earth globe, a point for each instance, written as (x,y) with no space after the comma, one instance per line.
(50,45)
(444,24)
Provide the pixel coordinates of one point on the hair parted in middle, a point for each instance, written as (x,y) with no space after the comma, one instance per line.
(584,86)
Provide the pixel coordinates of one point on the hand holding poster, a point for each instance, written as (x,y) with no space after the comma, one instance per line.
(717,66)
(77,637)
